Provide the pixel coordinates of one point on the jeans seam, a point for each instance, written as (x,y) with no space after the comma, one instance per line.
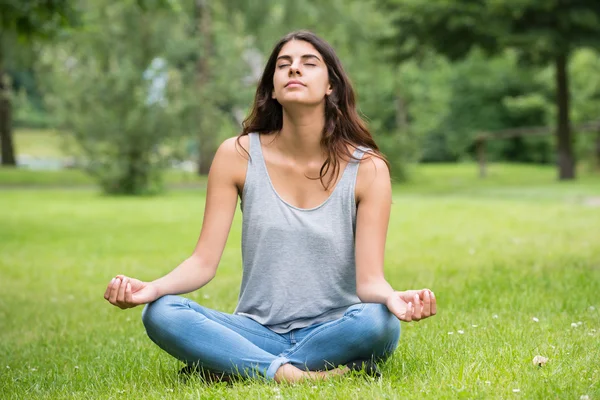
(292,351)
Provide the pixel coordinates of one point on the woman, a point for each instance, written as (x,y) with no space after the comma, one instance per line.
(316,196)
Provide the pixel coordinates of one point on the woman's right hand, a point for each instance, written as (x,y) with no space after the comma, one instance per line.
(125,292)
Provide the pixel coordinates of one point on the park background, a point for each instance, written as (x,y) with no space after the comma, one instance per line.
(488,111)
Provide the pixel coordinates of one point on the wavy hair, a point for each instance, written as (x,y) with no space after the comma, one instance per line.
(343,126)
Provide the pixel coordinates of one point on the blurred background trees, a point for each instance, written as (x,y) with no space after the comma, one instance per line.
(140,86)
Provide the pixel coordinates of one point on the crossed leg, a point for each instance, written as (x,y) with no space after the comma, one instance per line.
(236,344)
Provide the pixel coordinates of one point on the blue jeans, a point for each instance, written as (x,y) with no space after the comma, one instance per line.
(235,344)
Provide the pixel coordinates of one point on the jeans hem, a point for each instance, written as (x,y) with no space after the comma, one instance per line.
(275,364)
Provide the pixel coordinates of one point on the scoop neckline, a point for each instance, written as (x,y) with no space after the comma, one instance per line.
(264,163)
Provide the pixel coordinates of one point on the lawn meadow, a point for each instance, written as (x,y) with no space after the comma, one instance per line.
(514,261)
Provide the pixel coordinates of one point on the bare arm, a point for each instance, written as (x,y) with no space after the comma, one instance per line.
(374,193)
(374,196)
(226,175)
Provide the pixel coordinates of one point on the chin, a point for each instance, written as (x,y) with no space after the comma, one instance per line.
(292,101)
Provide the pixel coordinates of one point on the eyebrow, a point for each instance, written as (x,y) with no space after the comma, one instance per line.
(305,56)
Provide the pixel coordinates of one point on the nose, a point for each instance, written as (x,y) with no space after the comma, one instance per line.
(294,70)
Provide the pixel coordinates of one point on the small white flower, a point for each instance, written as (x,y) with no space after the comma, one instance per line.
(450,333)
(584,397)
(471,251)
(34,369)
(169,390)
(313,387)
(488,382)
(206,296)
(7,367)
(474,326)
(573,325)
(276,389)
(535,319)
(592,308)
(540,361)
(593,331)
(461,332)
(77,367)
(516,390)
(495,316)
(579,323)
(590,333)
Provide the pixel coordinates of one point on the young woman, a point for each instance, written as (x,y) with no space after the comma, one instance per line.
(316,196)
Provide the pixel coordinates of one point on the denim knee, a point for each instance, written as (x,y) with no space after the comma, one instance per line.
(380,324)
(156,314)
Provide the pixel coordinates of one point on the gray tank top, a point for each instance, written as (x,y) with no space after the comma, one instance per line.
(298,264)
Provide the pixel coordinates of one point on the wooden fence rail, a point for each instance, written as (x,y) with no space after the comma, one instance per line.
(483,136)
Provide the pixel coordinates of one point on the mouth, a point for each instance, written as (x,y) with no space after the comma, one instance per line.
(294,83)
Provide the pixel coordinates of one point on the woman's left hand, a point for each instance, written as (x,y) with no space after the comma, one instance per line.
(412,305)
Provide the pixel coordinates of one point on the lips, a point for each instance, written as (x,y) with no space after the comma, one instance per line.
(294,83)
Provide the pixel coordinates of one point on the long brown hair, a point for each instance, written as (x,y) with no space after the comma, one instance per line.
(343,125)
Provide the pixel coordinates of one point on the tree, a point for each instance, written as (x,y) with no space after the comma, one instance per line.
(26,20)
(541,31)
(117,89)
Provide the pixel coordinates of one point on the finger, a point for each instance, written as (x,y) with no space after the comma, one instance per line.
(107,292)
(433,304)
(417,308)
(114,291)
(409,312)
(426,312)
(128,294)
(121,295)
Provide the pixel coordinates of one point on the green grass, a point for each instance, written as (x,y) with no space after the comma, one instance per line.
(516,246)
(72,178)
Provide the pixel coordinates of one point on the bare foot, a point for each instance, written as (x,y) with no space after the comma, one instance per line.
(290,374)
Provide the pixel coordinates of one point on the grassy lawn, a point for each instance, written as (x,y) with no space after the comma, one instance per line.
(514,261)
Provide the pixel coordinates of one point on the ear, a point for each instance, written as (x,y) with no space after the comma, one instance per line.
(329,90)
(273,94)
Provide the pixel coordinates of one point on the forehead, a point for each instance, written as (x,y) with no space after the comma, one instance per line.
(298,48)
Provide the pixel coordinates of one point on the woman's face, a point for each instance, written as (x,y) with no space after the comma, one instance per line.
(300,75)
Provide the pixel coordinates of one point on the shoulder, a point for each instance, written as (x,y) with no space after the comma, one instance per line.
(231,159)
(237,145)
(373,177)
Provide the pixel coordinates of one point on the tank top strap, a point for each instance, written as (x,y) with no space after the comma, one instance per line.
(350,173)
(255,152)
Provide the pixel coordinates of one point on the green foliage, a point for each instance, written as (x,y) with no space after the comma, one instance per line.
(540,32)
(438,104)
(539,29)
(112,87)
(36,18)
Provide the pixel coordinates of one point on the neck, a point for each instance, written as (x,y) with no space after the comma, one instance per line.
(300,136)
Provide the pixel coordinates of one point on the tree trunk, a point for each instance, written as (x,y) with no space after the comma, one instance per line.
(206,134)
(401,113)
(597,152)
(6,140)
(566,159)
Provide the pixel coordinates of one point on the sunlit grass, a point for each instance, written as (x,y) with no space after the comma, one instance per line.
(496,254)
